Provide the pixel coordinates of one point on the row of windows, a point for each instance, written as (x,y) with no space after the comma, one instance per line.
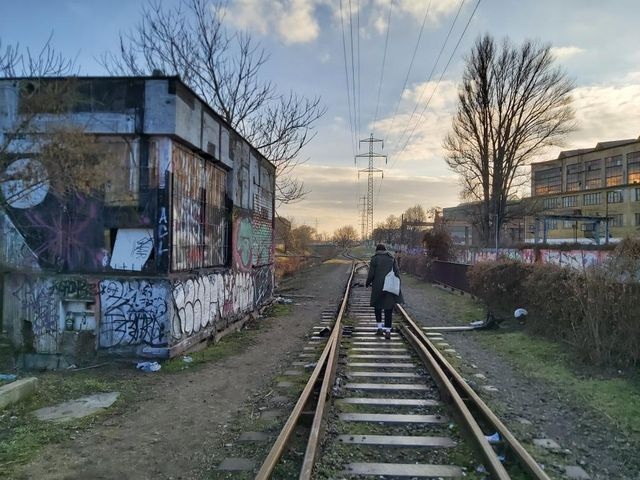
(587,175)
(616,220)
(569,201)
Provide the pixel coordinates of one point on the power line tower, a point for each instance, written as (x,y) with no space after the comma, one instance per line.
(362,207)
(370,170)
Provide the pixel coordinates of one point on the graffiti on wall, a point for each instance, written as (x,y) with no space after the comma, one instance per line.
(578,259)
(242,242)
(134,312)
(200,302)
(39,302)
(39,305)
(263,284)
(14,252)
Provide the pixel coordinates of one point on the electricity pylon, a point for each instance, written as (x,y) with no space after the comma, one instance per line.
(370,170)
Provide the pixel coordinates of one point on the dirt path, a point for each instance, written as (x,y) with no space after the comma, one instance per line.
(172,429)
(587,438)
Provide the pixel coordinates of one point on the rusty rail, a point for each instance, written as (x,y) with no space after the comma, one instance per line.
(325,369)
(455,388)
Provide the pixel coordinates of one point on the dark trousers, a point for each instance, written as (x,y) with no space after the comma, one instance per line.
(387,316)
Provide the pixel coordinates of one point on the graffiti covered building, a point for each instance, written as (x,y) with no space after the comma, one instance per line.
(176,246)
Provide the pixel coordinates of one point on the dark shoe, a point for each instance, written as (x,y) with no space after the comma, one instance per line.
(387,335)
(379,333)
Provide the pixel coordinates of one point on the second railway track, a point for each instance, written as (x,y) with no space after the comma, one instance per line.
(393,408)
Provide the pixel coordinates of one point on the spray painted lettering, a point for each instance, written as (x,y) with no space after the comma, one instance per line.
(134,312)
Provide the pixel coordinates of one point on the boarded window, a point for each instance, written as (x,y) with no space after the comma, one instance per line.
(200,221)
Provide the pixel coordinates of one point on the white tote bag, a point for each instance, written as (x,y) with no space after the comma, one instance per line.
(391,283)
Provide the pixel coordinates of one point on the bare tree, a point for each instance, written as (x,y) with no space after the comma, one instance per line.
(48,62)
(512,105)
(345,236)
(224,68)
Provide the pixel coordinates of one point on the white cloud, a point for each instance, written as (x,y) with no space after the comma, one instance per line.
(293,21)
(564,53)
(605,112)
(335,192)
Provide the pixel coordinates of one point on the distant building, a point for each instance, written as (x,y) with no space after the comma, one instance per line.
(178,245)
(603,181)
(583,196)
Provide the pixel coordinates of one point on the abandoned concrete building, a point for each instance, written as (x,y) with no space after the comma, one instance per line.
(176,247)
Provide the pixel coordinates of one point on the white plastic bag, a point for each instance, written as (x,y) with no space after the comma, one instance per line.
(391,283)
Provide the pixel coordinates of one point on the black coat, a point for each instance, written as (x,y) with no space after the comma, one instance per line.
(381,264)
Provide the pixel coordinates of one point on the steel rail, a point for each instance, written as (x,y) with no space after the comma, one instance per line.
(278,448)
(453,378)
(325,390)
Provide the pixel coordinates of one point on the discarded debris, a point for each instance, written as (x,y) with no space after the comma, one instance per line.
(520,312)
(284,301)
(325,332)
(493,439)
(148,366)
(310,366)
(187,359)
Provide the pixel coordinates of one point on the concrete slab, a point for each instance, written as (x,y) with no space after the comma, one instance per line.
(292,373)
(414,387)
(78,408)
(398,440)
(236,465)
(380,365)
(270,414)
(392,402)
(576,473)
(403,470)
(16,391)
(480,376)
(547,443)
(384,374)
(391,418)
(253,437)
(284,384)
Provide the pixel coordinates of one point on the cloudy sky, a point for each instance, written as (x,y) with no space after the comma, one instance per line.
(597,43)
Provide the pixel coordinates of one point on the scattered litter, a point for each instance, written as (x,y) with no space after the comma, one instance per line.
(284,301)
(148,366)
(477,323)
(493,439)
(325,332)
(481,469)
(502,458)
(7,377)
(520,312)
(72,366)
(310,366)
(187,359)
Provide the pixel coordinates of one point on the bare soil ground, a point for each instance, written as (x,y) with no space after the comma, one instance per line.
(172,427)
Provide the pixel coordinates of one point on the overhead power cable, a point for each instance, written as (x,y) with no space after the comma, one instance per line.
(441,76)
(353,79)
(415,108)
(384,58)
(406,79)
(346,72)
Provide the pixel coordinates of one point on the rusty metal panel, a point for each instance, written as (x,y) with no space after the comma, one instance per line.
(199,220)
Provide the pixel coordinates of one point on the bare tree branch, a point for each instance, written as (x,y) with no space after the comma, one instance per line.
(512,105)
(225,69)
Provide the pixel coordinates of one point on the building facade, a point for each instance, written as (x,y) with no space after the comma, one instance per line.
(599,187)
(177,246)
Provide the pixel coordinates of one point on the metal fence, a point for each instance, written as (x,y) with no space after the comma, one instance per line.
(450,274)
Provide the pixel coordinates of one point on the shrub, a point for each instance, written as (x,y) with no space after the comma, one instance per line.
(501,285)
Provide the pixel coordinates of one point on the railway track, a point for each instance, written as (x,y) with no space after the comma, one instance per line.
(392,408)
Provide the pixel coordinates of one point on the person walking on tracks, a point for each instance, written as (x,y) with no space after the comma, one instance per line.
(381,264)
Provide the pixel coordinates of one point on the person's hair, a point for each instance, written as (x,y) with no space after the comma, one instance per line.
(380,246)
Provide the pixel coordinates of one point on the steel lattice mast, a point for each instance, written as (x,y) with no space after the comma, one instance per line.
(370,170)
